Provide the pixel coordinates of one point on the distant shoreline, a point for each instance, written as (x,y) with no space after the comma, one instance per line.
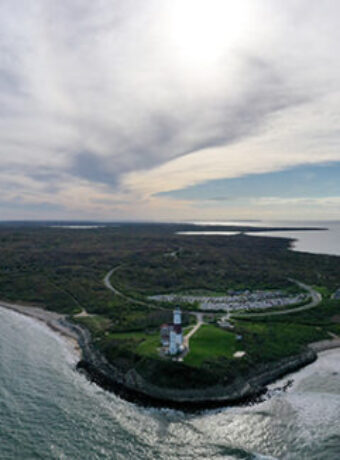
(99,371)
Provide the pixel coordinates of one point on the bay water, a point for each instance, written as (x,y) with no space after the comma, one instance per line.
(314,241)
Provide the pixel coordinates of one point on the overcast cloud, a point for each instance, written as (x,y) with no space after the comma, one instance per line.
(106,104)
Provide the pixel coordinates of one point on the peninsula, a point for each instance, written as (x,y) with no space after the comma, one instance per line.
(251,310)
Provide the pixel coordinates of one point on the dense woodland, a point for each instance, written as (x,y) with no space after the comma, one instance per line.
(63,269)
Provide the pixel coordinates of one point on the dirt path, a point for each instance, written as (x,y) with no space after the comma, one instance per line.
(82,314)
(199,323)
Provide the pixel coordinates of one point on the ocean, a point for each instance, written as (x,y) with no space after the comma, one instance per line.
(50,411)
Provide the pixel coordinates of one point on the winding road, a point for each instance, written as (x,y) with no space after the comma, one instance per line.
(316,298)
(108,284)
(198,315)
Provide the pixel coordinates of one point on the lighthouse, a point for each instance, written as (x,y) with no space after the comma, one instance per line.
(176,336)
(171,334)
(177,316)
(178,328)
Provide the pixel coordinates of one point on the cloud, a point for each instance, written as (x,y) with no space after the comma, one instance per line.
(109,101)
(87,165)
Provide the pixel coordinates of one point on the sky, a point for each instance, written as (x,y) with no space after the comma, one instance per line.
(169,110)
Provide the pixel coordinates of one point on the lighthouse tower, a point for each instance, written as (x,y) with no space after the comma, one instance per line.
(177,316)
(176,337)
(178,328)
(173,343)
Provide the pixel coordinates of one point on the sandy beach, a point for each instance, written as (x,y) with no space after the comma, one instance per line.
(55,321)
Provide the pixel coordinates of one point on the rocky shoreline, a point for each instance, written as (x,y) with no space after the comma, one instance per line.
(132,387)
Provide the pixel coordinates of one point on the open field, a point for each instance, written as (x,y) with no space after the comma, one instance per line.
(210,343)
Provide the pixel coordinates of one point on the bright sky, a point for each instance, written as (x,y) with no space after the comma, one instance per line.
(169,109)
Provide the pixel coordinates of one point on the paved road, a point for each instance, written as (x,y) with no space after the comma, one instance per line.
(199,316)
(316,298)
(108,284)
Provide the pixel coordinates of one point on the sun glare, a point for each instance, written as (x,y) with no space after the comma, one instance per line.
(204,30)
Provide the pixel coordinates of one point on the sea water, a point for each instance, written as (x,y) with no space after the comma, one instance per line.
(50,411)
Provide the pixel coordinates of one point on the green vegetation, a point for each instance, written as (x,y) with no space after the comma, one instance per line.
(210,343)
(262,342)
(324,291)
(63,270)
(96,324)
(219,264)
(270,341)
(138,342)
(325,317)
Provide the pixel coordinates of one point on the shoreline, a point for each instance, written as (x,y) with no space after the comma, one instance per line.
(133,388)
(54,321)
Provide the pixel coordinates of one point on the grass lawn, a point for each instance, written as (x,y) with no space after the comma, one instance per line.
(266,342)
(210,342)
(142,343)
(324,291)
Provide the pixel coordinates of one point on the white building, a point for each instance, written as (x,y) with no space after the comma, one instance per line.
(173,343)
(171,334)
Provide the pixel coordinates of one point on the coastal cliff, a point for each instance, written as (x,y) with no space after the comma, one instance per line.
(130,385)
(133,387)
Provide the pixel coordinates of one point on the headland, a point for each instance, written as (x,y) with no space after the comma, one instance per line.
(246,320)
